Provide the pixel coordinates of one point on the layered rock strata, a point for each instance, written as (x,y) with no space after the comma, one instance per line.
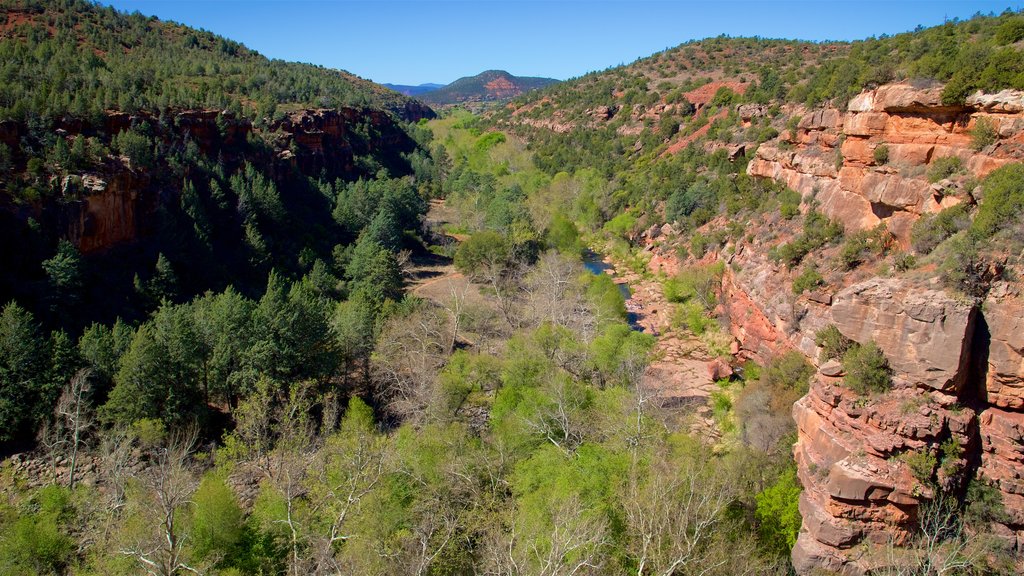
(834,156)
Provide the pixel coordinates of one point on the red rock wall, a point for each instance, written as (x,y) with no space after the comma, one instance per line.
(831,155)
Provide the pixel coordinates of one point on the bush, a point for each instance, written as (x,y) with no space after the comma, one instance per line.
(791,371)
(944,167)
(963,268)
(698,283)
(778,513)
(881,154)
(903,262)
(862,246)
(809,279)
(1003,202)
(832,342)
(922,465)
(931,230)
(866,369)
(983,134)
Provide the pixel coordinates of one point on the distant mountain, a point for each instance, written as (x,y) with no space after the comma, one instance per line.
(414,90)
(489,86)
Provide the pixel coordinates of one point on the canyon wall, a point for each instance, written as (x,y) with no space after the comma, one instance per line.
(117,202)
(831,154)
(958,365)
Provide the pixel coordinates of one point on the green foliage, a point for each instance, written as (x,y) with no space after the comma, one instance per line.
(984,133)
(809,279)
(36,540)
(71,58)
(881,154)
(1010,31)
(789,203)
(863,246)
(789,371)
(922,464)
(484,255)
(778,513)
(489,140)
(217,519)
(832,342)
(867,370)
(23,384)
(945,167)
(931,230)
(563,235)
(962,266)
(699,284)
(1002,205)
(818,231)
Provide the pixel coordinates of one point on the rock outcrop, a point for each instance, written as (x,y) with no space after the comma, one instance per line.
(831,155)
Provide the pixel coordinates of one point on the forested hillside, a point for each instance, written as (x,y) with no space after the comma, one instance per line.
(743,307)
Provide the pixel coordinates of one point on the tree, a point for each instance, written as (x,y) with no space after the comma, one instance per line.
(22,369)
(155,532)
(74,417)
(65,274)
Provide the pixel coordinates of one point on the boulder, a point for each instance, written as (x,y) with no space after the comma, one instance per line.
(831,368)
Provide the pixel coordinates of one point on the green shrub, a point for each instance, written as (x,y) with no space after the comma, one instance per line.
(903,262)
(809,279)
(931,230)
(789,203)
(832,342)
(790,371)
(922,465)
(984,134)
(697,283)
(881,154)
(778,513)
(1002,205)
(866,369)
(963,269)
(944,167)
(862,246)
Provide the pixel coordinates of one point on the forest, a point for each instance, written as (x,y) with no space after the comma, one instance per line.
(262,383)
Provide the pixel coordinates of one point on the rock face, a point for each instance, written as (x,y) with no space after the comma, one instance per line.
(958,373)
(924,333)
(832,154)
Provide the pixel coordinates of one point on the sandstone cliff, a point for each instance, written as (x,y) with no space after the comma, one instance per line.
(831,154)
(958,366)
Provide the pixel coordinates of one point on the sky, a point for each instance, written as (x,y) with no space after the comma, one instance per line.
(419,41)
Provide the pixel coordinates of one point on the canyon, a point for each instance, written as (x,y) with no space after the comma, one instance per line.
(957,363)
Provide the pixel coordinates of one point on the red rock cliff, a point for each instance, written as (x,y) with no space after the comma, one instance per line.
(831,154)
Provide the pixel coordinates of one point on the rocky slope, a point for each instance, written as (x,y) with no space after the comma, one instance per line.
(958,366)
(831,156)
(957,363)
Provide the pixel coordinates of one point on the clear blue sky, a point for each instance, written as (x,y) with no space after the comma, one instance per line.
(418,41)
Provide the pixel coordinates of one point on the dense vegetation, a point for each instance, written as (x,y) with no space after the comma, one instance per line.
(255,389)
(74,57)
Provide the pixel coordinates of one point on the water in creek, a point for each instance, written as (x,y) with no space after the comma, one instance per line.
(595,264)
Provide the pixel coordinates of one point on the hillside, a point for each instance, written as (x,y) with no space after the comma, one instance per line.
(74,56)
(488,86)
(743,307)
(414,90)
(849,192)
(130,144)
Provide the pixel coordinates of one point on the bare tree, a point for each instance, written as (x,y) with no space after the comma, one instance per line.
(409,354)
(75,415)
(942,545)
(674,510)
(574,541)
(153,534)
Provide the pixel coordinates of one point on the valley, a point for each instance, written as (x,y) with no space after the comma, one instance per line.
(744,306)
